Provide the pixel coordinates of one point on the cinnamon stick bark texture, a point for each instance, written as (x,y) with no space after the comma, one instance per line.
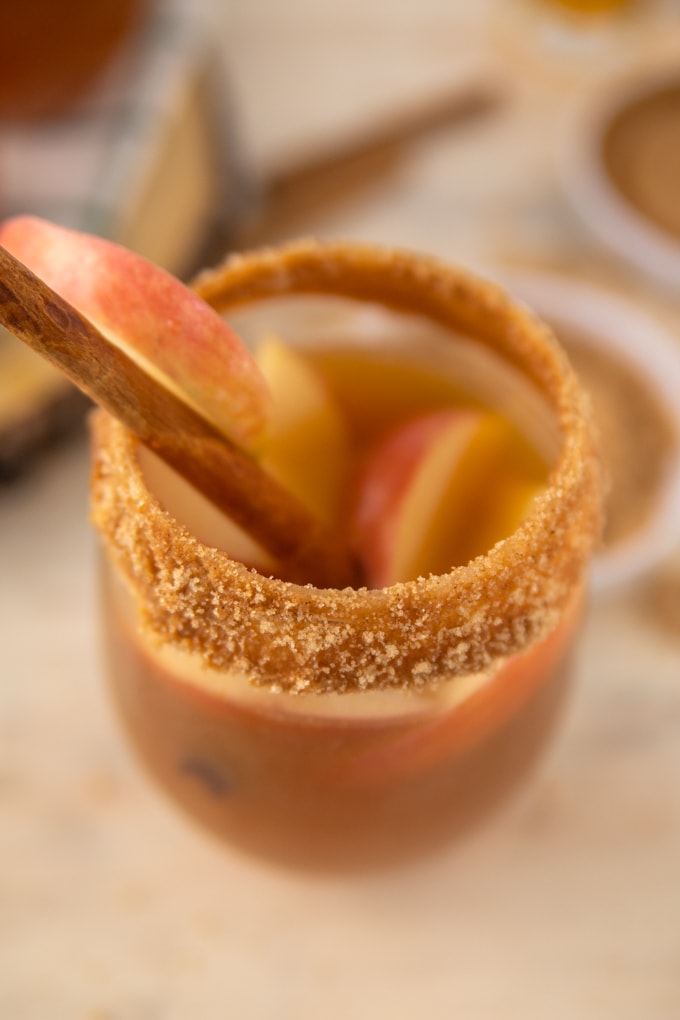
(306,550)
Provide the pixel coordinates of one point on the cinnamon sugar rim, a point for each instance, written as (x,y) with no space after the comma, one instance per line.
(410,635)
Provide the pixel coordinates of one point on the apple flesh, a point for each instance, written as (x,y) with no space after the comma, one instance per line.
(171,332)
(437,491)
(307,448)
(201,517)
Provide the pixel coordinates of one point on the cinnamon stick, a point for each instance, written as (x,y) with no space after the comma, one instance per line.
(306,549)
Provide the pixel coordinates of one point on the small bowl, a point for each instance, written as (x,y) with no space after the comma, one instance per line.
(616,328)
(614,219)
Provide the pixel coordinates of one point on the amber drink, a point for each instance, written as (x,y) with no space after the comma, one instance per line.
(326,727)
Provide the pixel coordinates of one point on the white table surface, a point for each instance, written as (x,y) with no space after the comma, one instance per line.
(567,903)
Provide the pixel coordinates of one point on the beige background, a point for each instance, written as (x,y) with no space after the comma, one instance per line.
(567,904)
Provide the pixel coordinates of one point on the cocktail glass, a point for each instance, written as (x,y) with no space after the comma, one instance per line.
(328,728)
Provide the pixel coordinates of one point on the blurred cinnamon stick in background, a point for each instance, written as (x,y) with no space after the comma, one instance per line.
(324,176)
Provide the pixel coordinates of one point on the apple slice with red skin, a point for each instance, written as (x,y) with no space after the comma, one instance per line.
(153,318)
(305,550)
(400,487)
(438,490)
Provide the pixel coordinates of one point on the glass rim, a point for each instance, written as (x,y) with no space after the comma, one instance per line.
(411,635)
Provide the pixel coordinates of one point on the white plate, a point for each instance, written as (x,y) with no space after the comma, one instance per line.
(618,326)
(605,211)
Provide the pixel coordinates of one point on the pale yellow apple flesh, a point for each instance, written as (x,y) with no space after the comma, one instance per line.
(307,447)
(199,515)
(488,493)
(438,491)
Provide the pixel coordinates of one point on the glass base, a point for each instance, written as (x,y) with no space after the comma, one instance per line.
(321,791)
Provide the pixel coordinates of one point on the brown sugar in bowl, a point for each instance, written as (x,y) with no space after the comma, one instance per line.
(619,157)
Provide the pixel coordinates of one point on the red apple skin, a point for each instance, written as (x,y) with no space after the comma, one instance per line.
(158,320)
(385,482)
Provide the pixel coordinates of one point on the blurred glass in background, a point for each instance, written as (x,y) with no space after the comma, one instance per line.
(51,52)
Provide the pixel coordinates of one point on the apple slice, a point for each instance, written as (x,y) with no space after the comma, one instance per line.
(307,448)
(305,550)
(152,317)
(439,490)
